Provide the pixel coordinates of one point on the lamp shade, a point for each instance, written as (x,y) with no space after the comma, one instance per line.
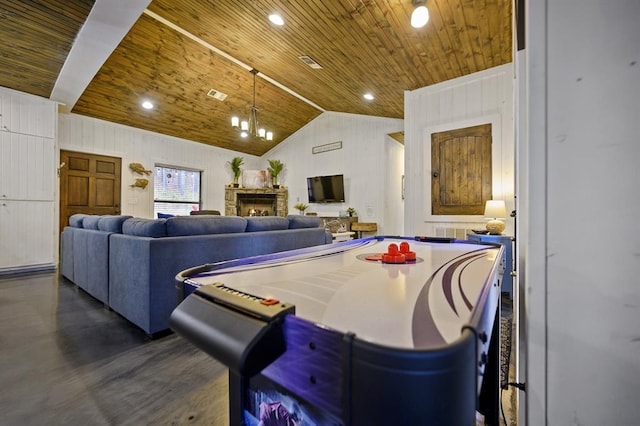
(495,209)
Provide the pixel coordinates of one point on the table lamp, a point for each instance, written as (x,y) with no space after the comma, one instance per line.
(495,210)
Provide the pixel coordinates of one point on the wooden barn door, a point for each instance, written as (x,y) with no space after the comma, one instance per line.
(89,184)
(461,171)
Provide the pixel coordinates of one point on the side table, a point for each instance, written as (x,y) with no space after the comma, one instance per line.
(361,227)
(506,285)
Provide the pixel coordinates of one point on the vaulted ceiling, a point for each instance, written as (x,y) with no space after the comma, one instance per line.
(175,51)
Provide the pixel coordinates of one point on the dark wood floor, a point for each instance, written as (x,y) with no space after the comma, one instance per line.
(66,360)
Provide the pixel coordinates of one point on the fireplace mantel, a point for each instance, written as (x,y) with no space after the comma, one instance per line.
(231,200)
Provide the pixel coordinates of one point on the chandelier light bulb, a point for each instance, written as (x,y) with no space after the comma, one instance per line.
(269,136)
(235,122)
(244,126)
(261,133)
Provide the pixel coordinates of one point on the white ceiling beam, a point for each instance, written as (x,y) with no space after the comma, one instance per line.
(107,24)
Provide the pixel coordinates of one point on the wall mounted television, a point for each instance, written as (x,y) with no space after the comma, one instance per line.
(326,189)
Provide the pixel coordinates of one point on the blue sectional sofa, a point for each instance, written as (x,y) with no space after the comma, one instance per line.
(130,263)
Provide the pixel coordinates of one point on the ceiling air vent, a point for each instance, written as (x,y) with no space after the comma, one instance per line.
(217,95)
(307,60)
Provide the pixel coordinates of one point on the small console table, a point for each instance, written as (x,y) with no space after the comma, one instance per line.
(506,285)
(361,227)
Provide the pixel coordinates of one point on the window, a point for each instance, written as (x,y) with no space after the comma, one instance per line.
(176,191)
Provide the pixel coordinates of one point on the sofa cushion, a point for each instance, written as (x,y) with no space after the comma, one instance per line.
(91,222)
(297,221)
(266,223)
(154,228)
(201,225)
(75,220)
(112,223)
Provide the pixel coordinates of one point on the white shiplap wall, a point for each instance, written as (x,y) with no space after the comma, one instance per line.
(582,286)
(27,114)
(371,162)
(483,97)
(28,183)
(83,134)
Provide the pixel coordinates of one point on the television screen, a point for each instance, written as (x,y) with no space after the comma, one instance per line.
(326,189)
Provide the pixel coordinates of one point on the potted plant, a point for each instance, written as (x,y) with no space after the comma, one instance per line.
(235,164)
(274,169)
(352,212)
(301,207)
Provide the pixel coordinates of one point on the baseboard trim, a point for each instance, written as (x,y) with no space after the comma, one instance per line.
(32,269)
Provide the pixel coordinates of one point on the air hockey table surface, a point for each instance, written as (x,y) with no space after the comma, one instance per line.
(416,313)
(420,304)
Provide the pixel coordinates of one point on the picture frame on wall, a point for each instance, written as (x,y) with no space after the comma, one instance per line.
(255,179)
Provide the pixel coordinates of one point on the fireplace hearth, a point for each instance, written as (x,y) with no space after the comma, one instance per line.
(255,202)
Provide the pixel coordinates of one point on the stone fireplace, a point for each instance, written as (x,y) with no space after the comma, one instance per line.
(256,202)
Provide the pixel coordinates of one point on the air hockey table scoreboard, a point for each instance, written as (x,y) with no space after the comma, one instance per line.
(374,331)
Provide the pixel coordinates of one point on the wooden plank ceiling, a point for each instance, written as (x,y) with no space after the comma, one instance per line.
(362,46)
(35,39)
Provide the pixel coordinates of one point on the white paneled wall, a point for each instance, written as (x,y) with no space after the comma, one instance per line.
(26,167)
(25,114)
(369,160)
(28,183)
(582,286)
(483,97)
(27,235)
(83,134)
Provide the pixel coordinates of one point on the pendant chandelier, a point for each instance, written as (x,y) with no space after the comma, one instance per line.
(251,127)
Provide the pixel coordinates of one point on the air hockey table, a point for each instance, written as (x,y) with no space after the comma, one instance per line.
(374,331)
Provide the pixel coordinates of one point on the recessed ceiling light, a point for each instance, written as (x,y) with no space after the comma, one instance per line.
(276,19)
(420,15)
(147,105)
(368,96)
